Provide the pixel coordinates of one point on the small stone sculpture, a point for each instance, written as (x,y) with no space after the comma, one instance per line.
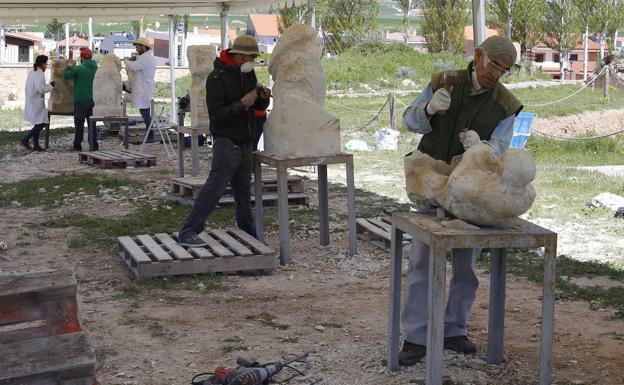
(107,87)
(477,187)
(62,96)
(201,59)
(298,126)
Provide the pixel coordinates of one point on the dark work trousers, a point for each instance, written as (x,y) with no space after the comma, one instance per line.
(260,120)
(230,163)
(34,133)
(147,118)
(82,111)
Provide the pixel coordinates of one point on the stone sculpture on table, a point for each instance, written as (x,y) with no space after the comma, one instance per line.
(201,59)
(107,87)
(477,187)
(298,126)
(62,95)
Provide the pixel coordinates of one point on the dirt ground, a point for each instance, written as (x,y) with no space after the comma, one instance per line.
(327,303)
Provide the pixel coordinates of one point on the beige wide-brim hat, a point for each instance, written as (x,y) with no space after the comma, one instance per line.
(245,45)
(144,41)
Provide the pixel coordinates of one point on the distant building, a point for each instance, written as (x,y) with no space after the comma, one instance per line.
(549,60)
(21,47)
(118,43)
(265,28)
(75,44)
(469,40)
(418,43)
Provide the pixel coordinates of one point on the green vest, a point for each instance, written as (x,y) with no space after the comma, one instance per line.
(480,110)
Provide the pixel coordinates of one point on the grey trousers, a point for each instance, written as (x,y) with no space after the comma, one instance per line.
(230,163)
(462,292)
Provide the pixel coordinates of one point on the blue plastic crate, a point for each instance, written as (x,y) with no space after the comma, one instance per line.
(522,129)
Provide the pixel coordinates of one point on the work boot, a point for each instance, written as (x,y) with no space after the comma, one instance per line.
(460,344)
(26,145)
(38,148)
(192,240)
(411,354)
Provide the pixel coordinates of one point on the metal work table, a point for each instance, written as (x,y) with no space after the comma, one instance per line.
(282,165)
(518,233)
(92,129)
(47,127)
(194,132)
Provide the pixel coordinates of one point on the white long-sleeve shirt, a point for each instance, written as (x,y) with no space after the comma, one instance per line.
(35,111)
(142,86)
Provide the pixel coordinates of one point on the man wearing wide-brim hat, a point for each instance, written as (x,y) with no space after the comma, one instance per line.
(475,99)
(232,96)
(142,84)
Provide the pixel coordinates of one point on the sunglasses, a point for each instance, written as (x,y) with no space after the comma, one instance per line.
(494,66)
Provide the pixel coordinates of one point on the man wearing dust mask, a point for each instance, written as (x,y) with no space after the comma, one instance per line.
(232,96)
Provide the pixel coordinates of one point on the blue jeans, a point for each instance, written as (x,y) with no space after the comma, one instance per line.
(147,118)
(34,133)
(230,163)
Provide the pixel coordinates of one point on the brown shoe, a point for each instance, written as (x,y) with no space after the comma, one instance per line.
(25,143)
(460,344)
(411,354)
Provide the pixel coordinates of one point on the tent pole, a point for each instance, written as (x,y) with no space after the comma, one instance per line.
(172,53)
(2,42)
(224,15)
(478,21)
(312,13)
(67,40)
(90,33)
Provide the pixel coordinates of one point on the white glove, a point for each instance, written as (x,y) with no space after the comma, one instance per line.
(441,100)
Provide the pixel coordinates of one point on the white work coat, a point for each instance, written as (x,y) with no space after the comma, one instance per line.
(143,81)
(35,111)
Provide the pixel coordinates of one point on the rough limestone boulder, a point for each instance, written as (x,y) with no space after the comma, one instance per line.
(481,188)
(298,126)
(62,95)
(107,87)
(201,59)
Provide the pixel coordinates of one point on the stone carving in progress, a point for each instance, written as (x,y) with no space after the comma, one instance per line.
(201,59)
(62,95)
(298,126)
(477,187)
(107,87)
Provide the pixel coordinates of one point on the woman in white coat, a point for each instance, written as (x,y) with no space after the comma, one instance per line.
(35,111)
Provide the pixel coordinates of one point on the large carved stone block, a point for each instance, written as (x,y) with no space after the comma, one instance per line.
(298,126)
(107,87)
(478,187)
(201,59)
(62,96)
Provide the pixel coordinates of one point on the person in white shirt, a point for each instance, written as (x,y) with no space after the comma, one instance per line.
(142,84)
(35,111)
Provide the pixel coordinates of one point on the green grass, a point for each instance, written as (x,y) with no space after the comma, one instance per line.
(12,120)
(27,193)
(530,265)
(203,283)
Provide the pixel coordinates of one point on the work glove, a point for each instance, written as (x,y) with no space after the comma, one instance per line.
(441,101)
(52,83)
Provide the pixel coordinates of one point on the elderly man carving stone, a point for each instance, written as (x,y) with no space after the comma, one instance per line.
(298,126)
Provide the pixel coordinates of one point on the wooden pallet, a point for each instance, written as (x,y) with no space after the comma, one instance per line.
(228,250)
(185,190)
(116,158)
(41,342)
(378,232)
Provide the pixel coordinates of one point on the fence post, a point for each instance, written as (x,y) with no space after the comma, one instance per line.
(606,82)
(392,110)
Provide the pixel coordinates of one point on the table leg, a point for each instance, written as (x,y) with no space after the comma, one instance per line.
(181,154)
(91,133)
(323,205)
(258,199)
(127,130)
(351,207)
(394,304)
(496,325)
(47,133)
(282,213)
(548,311)
(435,322)
(194,154)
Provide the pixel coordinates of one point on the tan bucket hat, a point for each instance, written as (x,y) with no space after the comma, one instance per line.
(144,41)
(245,45)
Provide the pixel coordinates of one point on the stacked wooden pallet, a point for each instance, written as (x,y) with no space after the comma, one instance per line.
(378,232)
(41,342)
(116,158)
(185,190)
(227,251)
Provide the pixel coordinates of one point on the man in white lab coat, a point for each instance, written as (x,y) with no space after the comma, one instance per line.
(35,111)
(142,83)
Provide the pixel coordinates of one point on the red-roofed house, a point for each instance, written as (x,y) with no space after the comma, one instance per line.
(469,39)
(75,44)
(548,60)
(21,47)
(265,28)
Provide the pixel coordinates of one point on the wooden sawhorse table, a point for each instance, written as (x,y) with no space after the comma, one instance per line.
(92,129)
(194,132)
(282,165)
(517,233)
